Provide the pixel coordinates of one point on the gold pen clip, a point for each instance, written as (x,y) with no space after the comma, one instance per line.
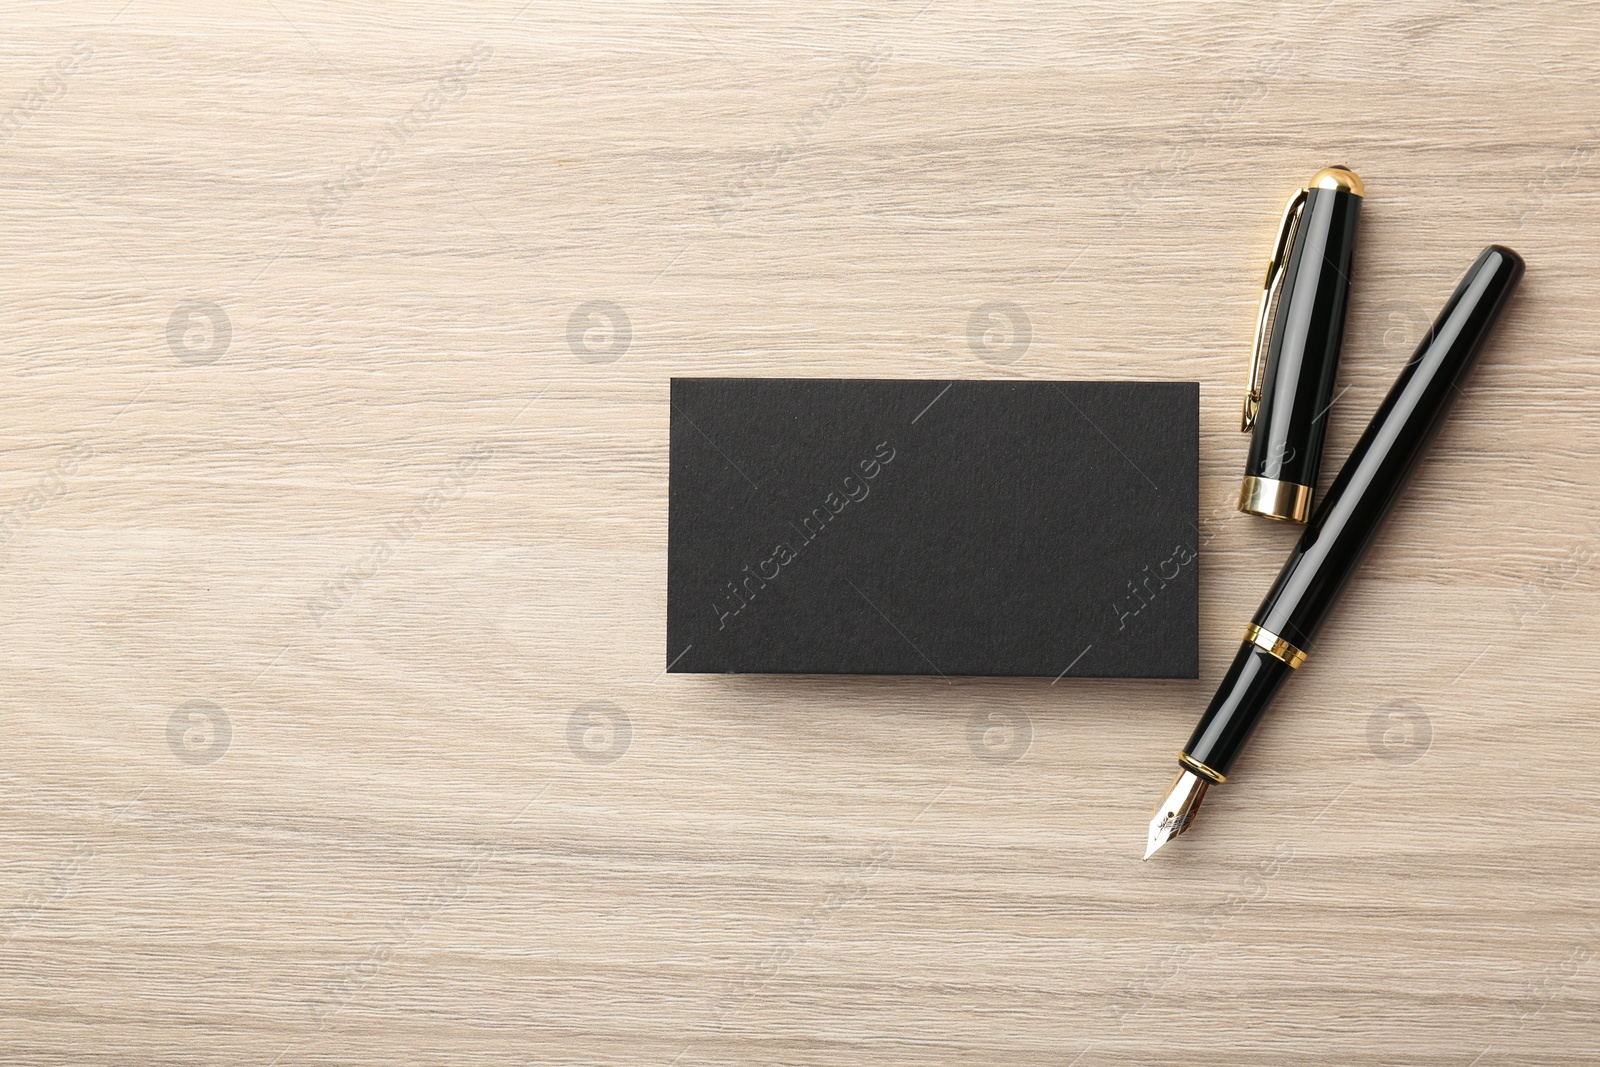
(1270,289)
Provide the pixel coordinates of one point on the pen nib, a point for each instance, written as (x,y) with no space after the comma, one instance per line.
(1175,813)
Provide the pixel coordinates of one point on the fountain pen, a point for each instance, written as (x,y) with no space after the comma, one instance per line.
(1341,530)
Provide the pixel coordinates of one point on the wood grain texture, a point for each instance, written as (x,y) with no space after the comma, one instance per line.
(334,497)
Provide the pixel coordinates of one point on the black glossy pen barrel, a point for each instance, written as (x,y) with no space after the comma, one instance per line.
(1347,521)
(1302,358)
(1252,680)
(1383,460)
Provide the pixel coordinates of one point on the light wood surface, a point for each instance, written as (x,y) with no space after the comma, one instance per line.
(334,516)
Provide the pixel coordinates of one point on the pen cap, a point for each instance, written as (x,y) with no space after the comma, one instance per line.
(1294,367)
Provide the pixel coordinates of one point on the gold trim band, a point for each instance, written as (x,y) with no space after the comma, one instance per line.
(1186,760)
(1272,643)
(1285,501)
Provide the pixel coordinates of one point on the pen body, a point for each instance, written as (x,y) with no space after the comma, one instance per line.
(1361,497)
(1384,458)
(1307,335)
(1253,679)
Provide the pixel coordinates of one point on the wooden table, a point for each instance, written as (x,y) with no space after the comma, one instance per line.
(334,514)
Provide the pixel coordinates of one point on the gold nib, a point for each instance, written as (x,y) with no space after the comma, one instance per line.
(1175,813)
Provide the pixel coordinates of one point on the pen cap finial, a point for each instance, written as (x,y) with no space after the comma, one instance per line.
(1339,178)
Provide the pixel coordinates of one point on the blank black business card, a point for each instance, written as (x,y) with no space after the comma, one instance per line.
(868,526)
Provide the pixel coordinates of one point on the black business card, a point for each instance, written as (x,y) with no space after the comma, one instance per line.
(866,526)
